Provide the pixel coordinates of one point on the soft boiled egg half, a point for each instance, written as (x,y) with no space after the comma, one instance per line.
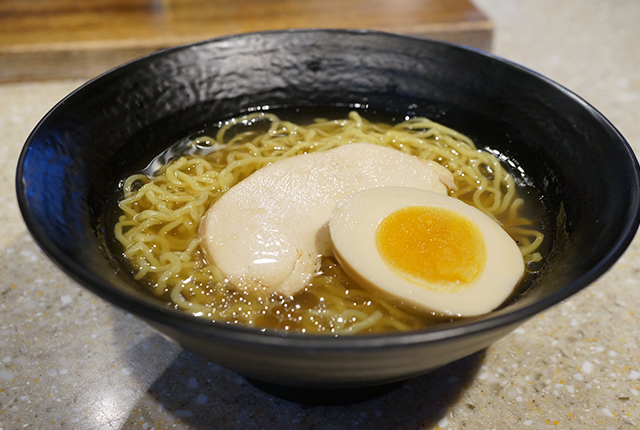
(426,250)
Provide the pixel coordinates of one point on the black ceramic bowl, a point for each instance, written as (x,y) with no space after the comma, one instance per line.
(585,170)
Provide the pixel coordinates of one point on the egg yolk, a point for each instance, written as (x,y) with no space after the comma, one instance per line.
(432,247)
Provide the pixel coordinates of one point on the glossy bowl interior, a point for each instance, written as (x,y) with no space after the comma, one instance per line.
(116,123)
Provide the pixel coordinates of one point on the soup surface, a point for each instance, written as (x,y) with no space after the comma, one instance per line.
(160,210)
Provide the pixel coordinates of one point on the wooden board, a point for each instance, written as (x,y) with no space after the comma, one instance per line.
(60,39)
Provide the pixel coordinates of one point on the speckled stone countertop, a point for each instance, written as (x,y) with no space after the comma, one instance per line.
(70,360)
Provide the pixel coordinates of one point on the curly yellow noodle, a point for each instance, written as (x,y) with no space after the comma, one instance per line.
(161,215)
(367,321)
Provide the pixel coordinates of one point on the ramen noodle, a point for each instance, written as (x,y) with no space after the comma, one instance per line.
(161,213)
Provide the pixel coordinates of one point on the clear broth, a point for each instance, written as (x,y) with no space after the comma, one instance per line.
(283,312)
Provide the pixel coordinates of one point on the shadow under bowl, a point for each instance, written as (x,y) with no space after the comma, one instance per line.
(585,171)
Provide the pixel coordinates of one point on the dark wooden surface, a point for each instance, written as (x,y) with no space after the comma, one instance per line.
(58,39)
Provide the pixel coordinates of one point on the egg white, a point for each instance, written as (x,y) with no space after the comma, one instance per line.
(353,226)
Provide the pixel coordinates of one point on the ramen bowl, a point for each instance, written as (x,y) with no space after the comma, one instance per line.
(585,172)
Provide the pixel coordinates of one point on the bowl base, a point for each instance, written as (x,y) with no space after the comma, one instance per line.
(324,396)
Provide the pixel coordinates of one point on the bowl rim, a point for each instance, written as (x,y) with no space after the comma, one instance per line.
(184,322)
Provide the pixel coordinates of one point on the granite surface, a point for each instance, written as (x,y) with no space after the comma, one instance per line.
(70,360)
